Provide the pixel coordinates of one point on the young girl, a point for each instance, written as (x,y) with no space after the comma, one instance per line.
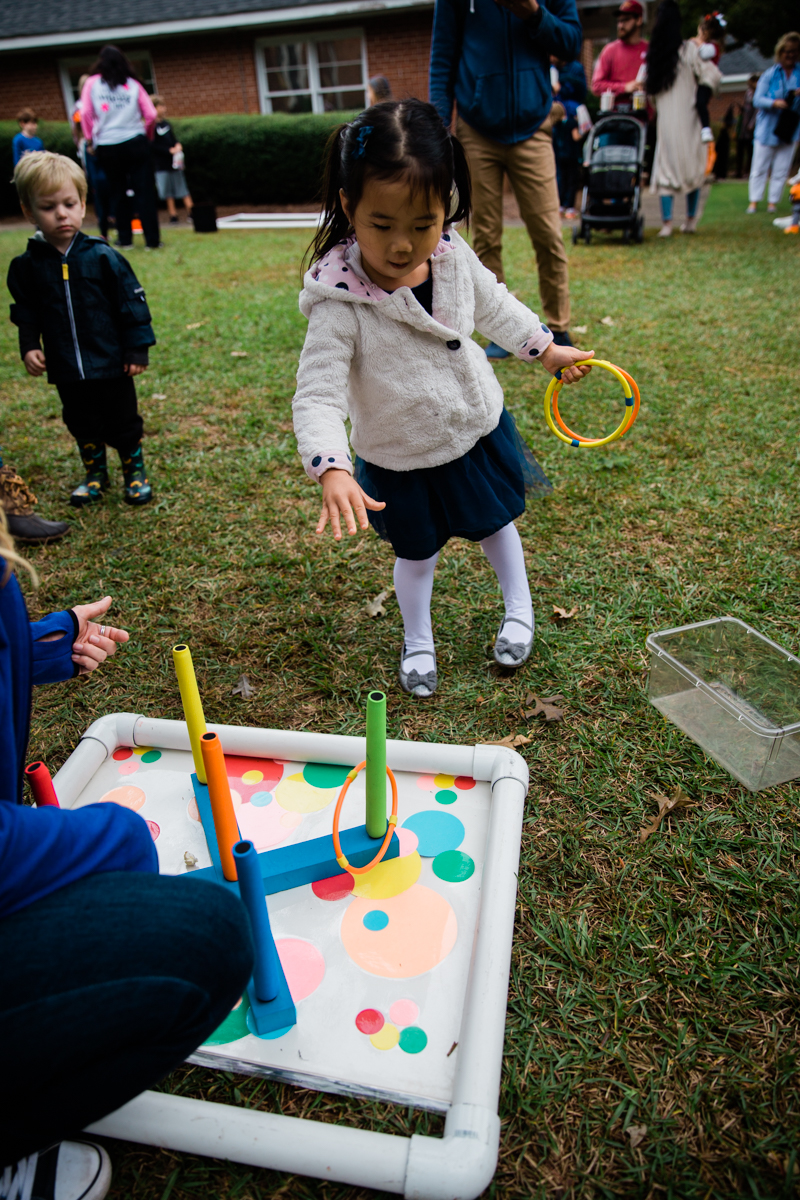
(392,299)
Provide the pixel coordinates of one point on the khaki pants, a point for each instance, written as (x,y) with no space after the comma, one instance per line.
(531,169)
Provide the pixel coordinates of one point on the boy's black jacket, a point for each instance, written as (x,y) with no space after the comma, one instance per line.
(110,323)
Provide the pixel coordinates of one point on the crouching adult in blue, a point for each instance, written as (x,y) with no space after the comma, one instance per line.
(109,977)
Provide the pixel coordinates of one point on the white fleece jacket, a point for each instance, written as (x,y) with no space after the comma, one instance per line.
(418,390)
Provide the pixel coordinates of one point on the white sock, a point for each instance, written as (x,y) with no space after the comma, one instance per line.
(504,551)
(413,586)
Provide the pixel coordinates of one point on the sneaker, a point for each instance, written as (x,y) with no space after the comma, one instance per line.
(67,1171)
(495,351)
(771,208)
(570,214)
(561,338)
(665,230)
(689,225)
(173,220)
(751,208)
(706,134)
(788,229)
(35,530)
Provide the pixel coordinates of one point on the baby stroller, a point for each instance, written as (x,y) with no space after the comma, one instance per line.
(613,160)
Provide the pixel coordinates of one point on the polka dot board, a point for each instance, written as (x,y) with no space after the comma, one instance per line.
(377,964)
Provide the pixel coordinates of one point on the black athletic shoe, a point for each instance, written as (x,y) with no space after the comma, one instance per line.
(35,530)
(561,337)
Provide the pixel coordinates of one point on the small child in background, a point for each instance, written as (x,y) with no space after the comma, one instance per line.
(392,298)
(710,33)
(168,163)
(83,300)
(26,141)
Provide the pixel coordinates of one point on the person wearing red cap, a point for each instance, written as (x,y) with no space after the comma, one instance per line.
(618,68)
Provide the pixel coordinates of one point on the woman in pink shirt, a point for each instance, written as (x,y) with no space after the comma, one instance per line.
(118,119)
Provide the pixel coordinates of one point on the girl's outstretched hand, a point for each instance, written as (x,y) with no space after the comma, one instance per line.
(560,358)
(342,495)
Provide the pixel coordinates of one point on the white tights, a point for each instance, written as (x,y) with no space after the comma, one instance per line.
(413,585)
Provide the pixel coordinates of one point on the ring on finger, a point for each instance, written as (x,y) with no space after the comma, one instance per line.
(102,630)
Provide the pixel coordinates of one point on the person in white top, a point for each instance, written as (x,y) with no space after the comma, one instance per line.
(118,121)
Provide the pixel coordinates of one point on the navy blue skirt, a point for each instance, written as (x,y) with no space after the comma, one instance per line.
(471,497)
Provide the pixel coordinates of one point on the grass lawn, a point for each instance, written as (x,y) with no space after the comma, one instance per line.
(652,985)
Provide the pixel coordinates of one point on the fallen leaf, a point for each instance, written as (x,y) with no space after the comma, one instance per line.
(547,707)
(196,324)
(607,321)
(580,328)
(376,608)
(238,354)
(243,688)
(666,805)
(511,740)
(637,1134)
(561,614)
(189,860)
(159,395)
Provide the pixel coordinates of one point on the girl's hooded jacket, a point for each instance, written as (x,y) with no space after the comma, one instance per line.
(418,390)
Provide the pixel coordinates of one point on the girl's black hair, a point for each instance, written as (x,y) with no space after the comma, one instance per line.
(114,67)
(664,49)
(397,138)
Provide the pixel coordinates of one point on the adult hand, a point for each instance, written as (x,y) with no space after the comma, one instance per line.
(94,642)
(341,494)
(34,363)
(779,104)
(632,85)
(524,9)
(559,358)
(134,369)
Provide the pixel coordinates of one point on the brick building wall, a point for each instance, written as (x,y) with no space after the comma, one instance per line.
(400,49)
(216,73)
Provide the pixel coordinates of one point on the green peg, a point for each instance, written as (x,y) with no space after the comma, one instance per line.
(376,764)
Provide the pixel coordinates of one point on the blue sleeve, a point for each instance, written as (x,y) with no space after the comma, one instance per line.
(558,32)
(762,98)
(573,85)
(44,849)
(16,147)
(445,55)
(52,661)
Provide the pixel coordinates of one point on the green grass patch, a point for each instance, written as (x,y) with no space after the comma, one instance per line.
(652,985)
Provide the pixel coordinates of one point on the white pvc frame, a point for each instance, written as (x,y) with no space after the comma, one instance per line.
(457,1166)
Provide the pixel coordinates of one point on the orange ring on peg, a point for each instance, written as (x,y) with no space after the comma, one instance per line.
(340,857)
(634,412)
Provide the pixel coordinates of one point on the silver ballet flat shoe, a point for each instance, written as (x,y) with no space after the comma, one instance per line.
(512,654)
(412,681)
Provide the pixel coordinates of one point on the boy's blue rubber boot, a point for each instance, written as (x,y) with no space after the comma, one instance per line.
(96,481)
(137,485)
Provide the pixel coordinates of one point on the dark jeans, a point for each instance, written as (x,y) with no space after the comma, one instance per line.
(130,165)
(108,984)
(744,156)
(103,411)
(98,186)
(567,175)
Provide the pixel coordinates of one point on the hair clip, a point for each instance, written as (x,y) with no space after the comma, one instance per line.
(363,136)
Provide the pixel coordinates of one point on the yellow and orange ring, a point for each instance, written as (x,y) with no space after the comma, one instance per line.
(340,857)
(632,401)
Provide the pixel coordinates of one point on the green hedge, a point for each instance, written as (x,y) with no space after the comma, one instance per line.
(55,135)
(233,159)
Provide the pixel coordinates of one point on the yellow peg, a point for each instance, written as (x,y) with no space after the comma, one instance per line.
(192,706)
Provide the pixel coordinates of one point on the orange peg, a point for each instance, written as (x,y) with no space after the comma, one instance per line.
(219,792)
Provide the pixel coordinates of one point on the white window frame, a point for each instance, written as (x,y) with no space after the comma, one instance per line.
(315,89)
(64,65)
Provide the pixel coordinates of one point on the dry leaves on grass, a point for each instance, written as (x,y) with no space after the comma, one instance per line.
(159,395)
(607,321)
(376,607)
(580,328)
(637,1134)
(196,324)
(238,354)
(666,805)
(511,740)
(243,688)
(546,707)
(560,615)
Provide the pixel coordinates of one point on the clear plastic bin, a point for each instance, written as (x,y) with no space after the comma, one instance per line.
(735,693)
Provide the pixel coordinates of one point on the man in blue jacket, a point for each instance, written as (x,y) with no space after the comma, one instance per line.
(492,59)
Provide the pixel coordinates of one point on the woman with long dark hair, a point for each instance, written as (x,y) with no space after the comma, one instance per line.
(675,70)
(118,120)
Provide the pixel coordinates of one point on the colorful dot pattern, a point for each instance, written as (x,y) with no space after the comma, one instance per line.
(399,1030)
